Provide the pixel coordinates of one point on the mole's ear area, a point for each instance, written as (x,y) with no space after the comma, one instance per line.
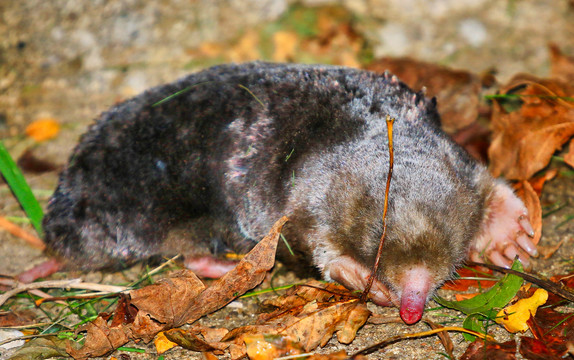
(416,284)
(354,276)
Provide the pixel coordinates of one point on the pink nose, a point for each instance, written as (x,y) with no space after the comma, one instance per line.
(416,284)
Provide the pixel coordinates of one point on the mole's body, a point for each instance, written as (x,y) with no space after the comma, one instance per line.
(233,148)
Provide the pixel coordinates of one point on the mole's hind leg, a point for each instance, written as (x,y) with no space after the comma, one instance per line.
(209,266)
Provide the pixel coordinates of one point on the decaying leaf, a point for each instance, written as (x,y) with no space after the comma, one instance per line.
(247,274)
(309,315)
(263,347)
(515,316)
(444,338)
(538,182)
(192,339)
(312,313)
(532,348)
(480,350)
(41,348)
(562,66)
(471,277)
(29,162)
(457,91)
(525,139)
(176,300)
(525,191)
(162,343)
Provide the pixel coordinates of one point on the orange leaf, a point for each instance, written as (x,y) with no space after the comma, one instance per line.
(162,344)
(43,129)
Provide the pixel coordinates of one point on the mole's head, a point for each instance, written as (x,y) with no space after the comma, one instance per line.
(413,265)
(424,244)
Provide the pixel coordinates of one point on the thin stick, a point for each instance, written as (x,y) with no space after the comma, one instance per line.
(72,283)
(365,294)
(396,338)
(544,284)
(17,231)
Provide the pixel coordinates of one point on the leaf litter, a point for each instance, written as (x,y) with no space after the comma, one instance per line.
(524,139)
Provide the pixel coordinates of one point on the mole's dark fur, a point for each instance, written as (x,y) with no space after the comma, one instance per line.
(233,148)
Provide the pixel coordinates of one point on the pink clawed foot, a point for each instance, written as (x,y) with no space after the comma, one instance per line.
(506,232)
(354,276)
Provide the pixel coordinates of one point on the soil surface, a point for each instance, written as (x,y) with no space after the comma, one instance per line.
(71,60)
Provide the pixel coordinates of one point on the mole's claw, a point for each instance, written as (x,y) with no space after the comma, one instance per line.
(511,252)
(525,224)
(498,259)
(527,245)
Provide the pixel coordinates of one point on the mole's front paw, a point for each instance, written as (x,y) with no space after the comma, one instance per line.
(505,232)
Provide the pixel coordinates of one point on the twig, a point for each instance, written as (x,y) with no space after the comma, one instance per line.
(396,338)
(365,294)
(545,284)
(17,231)
(71,283)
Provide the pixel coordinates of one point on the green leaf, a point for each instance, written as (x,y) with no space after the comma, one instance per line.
(473,322)
(20,188)
(484,307)
(496,297)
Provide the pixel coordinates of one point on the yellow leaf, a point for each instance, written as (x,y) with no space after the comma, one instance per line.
(285,44)
(162,344)
(514,317)
(43,129)
(258,348)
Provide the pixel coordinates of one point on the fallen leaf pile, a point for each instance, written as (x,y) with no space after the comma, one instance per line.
(182,298)
(305,318)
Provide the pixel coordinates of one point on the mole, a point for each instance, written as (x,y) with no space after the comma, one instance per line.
(208,163)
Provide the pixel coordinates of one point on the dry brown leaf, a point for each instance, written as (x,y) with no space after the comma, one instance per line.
(444,337)
(480,350)
(337,41)
(30,163)
(524,140)
(160,305)
(209,356)
(263,347)
(176,300)
(569,156)
(546,252)
(531,200)
(457,91)
(192,340)
(101,339)
(538,182)
(311,314)
(249,273)
(562,66)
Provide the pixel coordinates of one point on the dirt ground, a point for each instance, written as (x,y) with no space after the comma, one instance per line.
(71,60)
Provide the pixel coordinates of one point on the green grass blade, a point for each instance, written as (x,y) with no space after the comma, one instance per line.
(20,188)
